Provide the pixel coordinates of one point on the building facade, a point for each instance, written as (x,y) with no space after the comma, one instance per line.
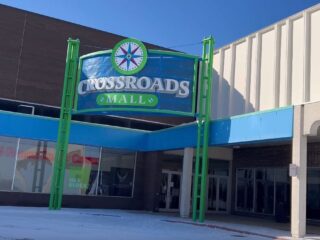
(264,145)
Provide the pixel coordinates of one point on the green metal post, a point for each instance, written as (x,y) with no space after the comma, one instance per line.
(208,99)
(196,195)
(203,120)
(64,124)
(196,176)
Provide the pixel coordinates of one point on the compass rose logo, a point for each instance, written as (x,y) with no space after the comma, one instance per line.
(129,56)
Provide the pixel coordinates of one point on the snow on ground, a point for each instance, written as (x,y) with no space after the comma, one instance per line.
(26,223)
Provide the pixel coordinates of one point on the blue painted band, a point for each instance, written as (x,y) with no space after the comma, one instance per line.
(266,126)
(43,128)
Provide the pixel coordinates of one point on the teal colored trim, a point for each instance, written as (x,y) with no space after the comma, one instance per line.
(109,51)
(171,53)
(75,103)
(254,113)
(134,110)
(179,54)
(194,88)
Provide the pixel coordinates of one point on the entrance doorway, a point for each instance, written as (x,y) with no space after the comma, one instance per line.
(217,193)
(170,190)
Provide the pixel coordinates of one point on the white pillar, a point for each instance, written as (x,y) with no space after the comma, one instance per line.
(185,193)
(299,182)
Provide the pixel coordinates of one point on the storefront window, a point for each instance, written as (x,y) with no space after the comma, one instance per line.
(313,193)
(283,191)
(81,170)
(75,178)
(8,148)
(264,190)
(218,167)
(92,158)
(245,189)
(116,174)
(34,166)
(27,166)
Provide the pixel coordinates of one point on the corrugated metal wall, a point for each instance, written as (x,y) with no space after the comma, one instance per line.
(274,67)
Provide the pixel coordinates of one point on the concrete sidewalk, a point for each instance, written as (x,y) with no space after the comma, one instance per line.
(260,227)
(258,222)
(17,223)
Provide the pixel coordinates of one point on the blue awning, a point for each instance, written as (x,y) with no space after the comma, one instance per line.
(265,126)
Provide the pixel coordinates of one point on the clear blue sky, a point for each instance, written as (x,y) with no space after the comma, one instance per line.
(170,23)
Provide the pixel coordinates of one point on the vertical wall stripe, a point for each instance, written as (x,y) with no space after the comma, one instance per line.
(289,62)
(306,56)
(277,65)
(220,92)
(258,71)
(248,73)
(232,75)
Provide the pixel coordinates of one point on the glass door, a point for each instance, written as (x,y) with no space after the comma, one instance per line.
(223,194)
(174,193)
(264,191)
(163,190)
(217,193)
(212,194)
(170,190)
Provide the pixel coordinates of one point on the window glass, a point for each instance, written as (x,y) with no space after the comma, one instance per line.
(218,167)
(313,193)
(81,176)
(163,190)
(223,194)
(282,182)
(34,166)
(116,173)
(7,160)
(49,149)
(76,174)
(92,158)
(264,189)
(281,175)
(260,174)
(244,189)
(212,194)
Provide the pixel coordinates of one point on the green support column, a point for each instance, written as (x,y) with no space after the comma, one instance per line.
(203,120)
(64,124)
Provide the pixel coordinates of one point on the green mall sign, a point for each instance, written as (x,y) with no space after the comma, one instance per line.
(133,79)
(130,79)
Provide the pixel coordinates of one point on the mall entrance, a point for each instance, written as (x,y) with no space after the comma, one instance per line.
(217,192)
(170,190)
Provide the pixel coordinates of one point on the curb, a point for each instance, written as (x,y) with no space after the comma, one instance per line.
(227,229)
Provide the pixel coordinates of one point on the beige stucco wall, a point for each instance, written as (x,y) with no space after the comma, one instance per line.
(274,67)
